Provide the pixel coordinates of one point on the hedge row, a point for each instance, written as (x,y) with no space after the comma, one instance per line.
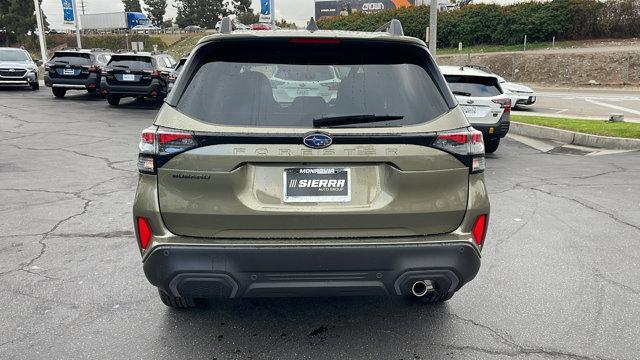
(506,25)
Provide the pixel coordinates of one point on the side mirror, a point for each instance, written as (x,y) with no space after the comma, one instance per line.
(38,62)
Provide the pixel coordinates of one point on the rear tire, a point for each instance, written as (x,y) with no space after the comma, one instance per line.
(59,93)
(175,302)
(113,100)
(35,86)
(491,146)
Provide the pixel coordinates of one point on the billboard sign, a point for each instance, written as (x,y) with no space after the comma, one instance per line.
(325,8)
(67,11)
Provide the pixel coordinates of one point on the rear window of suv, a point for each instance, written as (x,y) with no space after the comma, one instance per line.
(290,85)
(478,86)
(134,63)
(76,59)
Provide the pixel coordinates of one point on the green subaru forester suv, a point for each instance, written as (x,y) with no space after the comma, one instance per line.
(352,172)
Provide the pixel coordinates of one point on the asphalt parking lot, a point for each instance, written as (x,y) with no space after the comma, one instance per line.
(560,276)
(589,103)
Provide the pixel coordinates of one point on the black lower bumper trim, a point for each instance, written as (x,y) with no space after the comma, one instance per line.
(495,131)
(234,272)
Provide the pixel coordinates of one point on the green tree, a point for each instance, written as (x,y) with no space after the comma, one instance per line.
(283,24)
(204,13)
(156,9)
(167,23)
(17,20)
(248,18)
(241,6)
(132,5)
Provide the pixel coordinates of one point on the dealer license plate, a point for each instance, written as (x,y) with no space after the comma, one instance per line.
(312,185)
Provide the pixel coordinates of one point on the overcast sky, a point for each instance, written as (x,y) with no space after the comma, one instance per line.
(292,10)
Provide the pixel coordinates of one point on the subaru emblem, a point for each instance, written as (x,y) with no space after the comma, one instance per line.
(317,140)
(12,70)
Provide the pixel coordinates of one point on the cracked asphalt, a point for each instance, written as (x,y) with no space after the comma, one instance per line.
(560,275)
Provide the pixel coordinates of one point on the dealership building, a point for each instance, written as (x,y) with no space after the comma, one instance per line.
(327,8)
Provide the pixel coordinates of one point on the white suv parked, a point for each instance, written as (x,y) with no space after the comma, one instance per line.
(483,101)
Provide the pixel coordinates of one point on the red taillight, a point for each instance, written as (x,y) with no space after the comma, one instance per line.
(144,232)
(104,72)
(504,103)
(47,67)
(457,138)
(160,141)
(314,41)
(480,229)
(465,142)
(91,68)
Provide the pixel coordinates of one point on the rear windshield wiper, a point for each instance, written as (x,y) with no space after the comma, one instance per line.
(121,66)
(353,119)
(61,62)
(461,93)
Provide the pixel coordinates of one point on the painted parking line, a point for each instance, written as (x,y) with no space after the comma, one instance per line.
(611,106)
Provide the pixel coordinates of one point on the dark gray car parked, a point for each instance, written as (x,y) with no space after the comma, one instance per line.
(75,69)
(137,74)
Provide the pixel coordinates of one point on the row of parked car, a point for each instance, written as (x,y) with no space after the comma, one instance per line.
(113,75)
(485,97)
(101,71)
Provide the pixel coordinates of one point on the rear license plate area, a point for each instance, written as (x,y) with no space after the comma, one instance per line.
(315,185)
(469,110)
(68,72)
(128,77)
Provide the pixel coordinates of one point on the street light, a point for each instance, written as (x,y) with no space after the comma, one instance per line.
(43,40)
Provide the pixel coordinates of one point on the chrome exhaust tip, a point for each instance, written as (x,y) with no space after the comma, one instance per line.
(422,288)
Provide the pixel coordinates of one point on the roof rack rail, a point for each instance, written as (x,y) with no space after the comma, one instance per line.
(71,49)
(393,27)
(226,25)
(121,51)
(100,49)
(312,25)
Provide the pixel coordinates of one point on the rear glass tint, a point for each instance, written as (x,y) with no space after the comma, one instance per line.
(290,86)
(72,58)
(131,62)
(478,86)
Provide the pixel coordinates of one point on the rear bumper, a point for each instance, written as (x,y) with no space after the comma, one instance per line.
(135,90)
(495,131)
(281,271)
(526,100)
(92,82)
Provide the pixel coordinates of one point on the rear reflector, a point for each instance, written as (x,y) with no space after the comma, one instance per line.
(314,41)
(479,229)
(144,232)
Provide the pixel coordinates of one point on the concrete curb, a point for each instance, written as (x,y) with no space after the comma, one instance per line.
(574,138)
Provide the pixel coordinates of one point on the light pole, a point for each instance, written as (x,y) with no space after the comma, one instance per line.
(273,15)
(433,27)
(75,19)
(43,39)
